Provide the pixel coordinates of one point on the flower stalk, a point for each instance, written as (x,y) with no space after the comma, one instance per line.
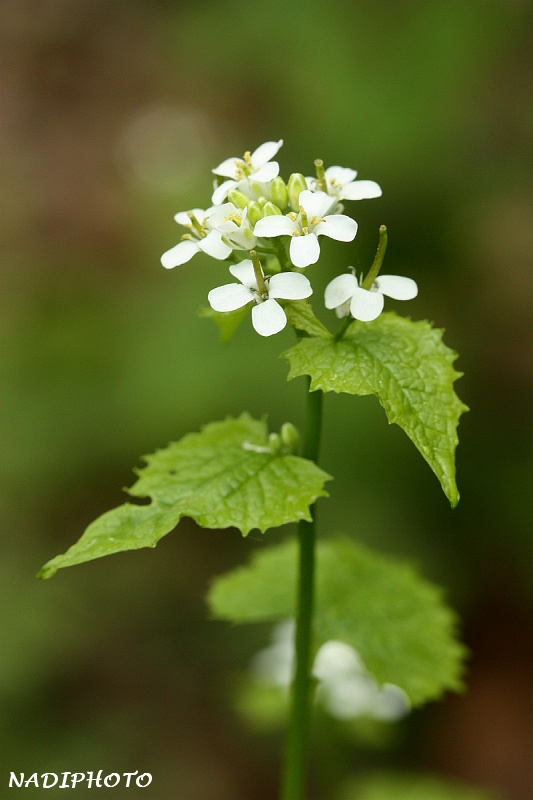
(294,776)
(373,272)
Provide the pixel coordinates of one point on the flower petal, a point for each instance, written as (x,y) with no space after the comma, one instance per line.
(268,317)
(342,175)
(266,173)
(315,204)
(361,190)
(182,217)
(337,226)
(179,254)
(274,225)
(221,192)
(244,272)
(229,297)
(340,289)
(228,168)
(304,250)
(289,286)
(264,153)
(214,246)
(366,305)
(396,286)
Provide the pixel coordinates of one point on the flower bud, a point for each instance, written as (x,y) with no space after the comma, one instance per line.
(239,199)
(296,184)
(262,201)
(274,442)
(258,189)
(290,437)
(278,193)
(270,209)
(255,212)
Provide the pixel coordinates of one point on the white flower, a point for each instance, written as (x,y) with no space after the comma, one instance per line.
(345,688)
(348,690)
(198,239)
(341,185)
(274,665)
(346,296)
(234,225)
(256,165)
(268,317)
(306,227)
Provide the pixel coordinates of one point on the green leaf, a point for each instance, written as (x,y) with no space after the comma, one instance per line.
(380,786)
(410,370)
(301,316)
(227,322)
(395,620)
(230,474)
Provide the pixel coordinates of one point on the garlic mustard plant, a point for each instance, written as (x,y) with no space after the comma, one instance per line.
(370,635)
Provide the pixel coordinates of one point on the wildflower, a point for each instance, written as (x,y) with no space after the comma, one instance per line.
(307,226)
(341,185)
(346,296)
(256,165)
(344,686)
(347,690)
(196,240)
(268,317)
(234,225)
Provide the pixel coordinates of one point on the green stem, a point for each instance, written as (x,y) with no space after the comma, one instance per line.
(343,328)
(373,272)
(294,778)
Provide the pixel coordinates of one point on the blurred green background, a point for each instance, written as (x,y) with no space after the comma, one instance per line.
(112,116)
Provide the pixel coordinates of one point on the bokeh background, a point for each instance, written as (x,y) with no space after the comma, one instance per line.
(112,115)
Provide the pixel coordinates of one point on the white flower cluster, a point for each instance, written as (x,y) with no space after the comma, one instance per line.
(344,688)
(265,228)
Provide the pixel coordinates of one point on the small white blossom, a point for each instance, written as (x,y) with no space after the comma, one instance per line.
(268,317)
(197,239)
(346,296)
(345,688)
(306,227)
(256,166)
(341,185)
(234,225)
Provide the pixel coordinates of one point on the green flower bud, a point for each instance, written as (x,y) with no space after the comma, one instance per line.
(290,437)
(239,199)
(270,209)
(274,442)
(257,189)
(296,184)
(255,212)
(278,193)
(262,201)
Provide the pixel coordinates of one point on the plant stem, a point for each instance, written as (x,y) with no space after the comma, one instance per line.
(294,778)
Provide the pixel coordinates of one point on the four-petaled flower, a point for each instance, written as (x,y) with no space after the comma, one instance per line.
(346,296)
(197,240)
(341,185)
(268,317)
(312,221)
(234,225)
(256,165)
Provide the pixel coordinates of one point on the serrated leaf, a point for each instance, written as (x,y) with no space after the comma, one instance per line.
(227,322)
(382,786)
(395,620)
(231,474)
(408,367)
(301,316)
